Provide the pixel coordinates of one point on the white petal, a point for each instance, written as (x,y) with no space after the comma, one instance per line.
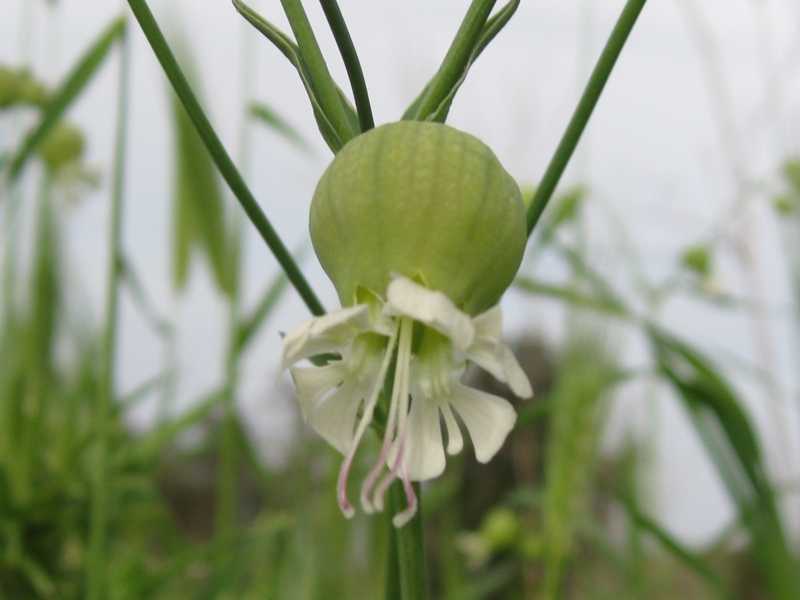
(423,447)
(312,383)
(406,298)
(489,324)
(334,417)
(516,378)
(488,418)
(499,360)
(328,333)
(455,442)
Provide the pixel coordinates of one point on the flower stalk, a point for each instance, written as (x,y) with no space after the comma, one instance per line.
(351,62)
(409,550)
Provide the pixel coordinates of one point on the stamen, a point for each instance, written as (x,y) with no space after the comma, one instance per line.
(397,464)
(366,419)
(404,517)
(400,443)
(378,467)
(399,391)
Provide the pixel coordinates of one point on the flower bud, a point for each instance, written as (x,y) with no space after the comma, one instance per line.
(9,86)
(421,200)
(20,87)
(697,259)
(64,145)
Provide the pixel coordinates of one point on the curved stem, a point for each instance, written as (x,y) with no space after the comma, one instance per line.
(220,155)
(580,118)
(351,63)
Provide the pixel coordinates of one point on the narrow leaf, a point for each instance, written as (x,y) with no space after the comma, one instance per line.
(67,92)
(291,51)
(142,300)
(267,115)
(675,548)
(565,210)
(725,429)
(251,324)
(45,291)
(155,442)
(607,305)
(455,63)
(199,213)
(220,155)
(319,78)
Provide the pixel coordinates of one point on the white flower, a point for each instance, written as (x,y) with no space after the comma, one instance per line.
(432,341)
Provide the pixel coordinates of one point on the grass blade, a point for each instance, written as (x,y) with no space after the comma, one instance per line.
(731,442)
(46,285)
(608,305)
(142,300)
(682,554)
(577,409)
(199,212)
(220,156)
(156,441)
(99,523)
(267,115)
(251,324)
(70,89)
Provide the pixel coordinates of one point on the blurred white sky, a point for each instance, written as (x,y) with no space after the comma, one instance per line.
(652,154)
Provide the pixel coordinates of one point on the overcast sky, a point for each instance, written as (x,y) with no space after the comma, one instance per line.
(652,156)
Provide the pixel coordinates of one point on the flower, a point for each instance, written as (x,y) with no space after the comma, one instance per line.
(421,230)
(433,341)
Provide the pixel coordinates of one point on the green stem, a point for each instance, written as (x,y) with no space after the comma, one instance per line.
(227,481)
(591,94)
(322,84)
(410,547)
(98,553)
(351,63)
(392,584)
(220,156)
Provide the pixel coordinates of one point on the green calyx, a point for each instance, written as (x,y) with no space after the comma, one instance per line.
(422,200)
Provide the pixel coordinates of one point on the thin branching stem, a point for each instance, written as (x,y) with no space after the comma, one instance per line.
(351,63)
(580,118)
(220,155)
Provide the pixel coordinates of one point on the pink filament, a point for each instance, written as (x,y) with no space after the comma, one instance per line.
(380,492)
(341,486)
